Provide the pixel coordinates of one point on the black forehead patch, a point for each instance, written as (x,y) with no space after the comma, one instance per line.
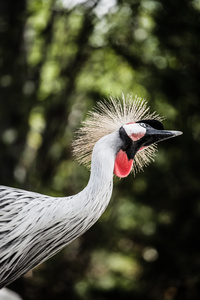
(153,123)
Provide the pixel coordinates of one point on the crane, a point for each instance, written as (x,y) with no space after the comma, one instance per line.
(117,137)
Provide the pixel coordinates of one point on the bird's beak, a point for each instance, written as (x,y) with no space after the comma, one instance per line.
(154,136)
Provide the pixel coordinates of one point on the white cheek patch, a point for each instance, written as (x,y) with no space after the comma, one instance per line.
(134,131)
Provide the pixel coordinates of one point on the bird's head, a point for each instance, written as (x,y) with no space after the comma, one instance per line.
(138,129)
(138,136)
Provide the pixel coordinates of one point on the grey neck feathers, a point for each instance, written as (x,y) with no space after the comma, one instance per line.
(97,193)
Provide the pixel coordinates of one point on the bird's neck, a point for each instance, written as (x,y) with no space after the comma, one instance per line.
(96,195)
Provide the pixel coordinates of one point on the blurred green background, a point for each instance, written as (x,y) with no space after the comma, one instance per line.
(57,58)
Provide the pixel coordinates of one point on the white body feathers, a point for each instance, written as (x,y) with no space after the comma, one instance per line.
(33,227)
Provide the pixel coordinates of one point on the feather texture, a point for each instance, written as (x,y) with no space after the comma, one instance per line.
(109,116)
(34,227)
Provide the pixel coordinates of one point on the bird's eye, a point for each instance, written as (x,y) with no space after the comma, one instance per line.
(143,125)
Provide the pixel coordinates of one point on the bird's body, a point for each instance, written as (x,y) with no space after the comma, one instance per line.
(33,227)
(30,238)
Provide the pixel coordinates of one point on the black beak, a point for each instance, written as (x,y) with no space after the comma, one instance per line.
(154,136)
(154,133)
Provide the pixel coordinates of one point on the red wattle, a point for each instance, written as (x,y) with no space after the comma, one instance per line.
(123,165)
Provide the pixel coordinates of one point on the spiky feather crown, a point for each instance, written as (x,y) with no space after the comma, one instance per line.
(109,116)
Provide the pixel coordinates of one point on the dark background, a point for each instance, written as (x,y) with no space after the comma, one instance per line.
(56,61)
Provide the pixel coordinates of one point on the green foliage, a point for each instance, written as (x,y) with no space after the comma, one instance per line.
(56,61)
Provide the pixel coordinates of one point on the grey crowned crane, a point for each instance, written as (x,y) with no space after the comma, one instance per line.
(118,136)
